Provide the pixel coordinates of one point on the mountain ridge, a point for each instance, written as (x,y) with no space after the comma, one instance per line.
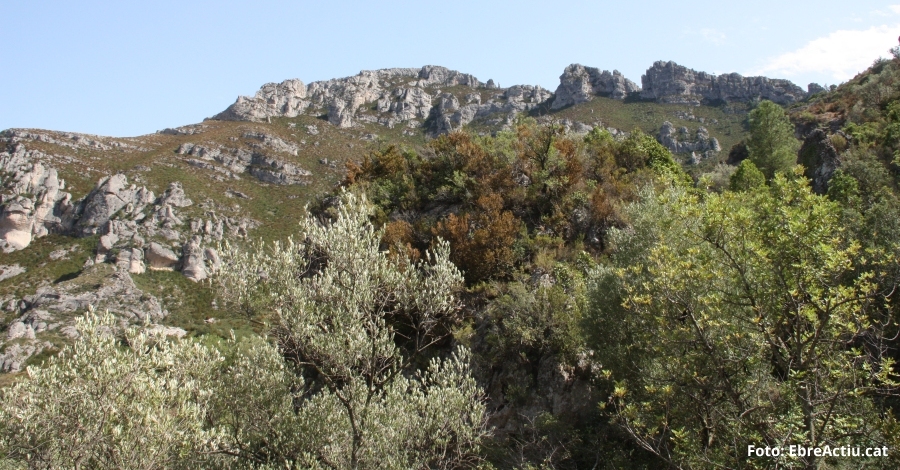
(408,95)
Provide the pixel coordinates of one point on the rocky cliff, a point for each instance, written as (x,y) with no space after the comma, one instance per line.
(389,97)
(668,82)
(579,84)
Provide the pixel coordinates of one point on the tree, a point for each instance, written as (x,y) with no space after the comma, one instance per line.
(741,319)
(101,404)
(747,177)
(771,145)
(355,326)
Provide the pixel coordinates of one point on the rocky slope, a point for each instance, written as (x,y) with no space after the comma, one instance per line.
(96,221)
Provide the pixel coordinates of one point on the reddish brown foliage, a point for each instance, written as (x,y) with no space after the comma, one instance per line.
(482,242)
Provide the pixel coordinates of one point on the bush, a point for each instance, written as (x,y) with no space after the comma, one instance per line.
(358,325)
(104,404)
(747,177)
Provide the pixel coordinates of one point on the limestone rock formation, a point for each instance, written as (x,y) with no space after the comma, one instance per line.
(52,309)
(33,202)
(111,195)
(160,257)
(194,260)
(579,84)
(449,114)
(232,162)
(668,82)
(820,159)
(9,271)
(814,88)
(399,95)
(680,141)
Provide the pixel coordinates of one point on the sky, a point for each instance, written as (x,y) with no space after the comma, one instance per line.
(130,68)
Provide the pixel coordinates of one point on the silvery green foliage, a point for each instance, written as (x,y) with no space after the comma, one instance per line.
(354,320)
(102,404)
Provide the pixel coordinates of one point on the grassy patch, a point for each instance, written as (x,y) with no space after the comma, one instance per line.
(190,304)
(727,124)
(41,269)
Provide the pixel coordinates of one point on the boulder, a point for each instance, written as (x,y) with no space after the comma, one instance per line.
(161,258)
(193,260)
(16,224)
(131,260)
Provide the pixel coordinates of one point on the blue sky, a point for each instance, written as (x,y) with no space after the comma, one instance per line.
(130,68)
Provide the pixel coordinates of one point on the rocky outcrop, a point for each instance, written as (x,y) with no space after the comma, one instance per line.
(668,82)
(579,84)
(33,202)
(161,258)
(73,140)
(449,114)
(131,222)
(53,308)
(814,88)
(274,142)
(112,194)
(388,97)
(10,271)
(194,258)
(819,158)
(681,141)
(339,97)
(233,162)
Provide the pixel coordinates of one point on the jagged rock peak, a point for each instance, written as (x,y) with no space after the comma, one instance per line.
(669,82)
(579,84)
(340,98)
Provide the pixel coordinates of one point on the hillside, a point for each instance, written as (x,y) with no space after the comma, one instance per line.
(542,197)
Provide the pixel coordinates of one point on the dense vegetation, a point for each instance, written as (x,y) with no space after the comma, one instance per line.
(531,299)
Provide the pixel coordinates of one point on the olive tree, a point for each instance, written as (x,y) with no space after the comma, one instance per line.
(356,327)
(104,403)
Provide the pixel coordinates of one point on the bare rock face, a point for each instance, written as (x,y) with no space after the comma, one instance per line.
(287,98)
(193,260)
(116,293)
(668,82)
(161,258)
(13,357)
(290,98)
(54,308)
(579,84)
(680,140)
(449,114)
(131,260)
(9,271)
(174,196)
(400,95)
(111,195)
(820,159)
(274,142)
(16,223)
(233,162)
(34,202)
